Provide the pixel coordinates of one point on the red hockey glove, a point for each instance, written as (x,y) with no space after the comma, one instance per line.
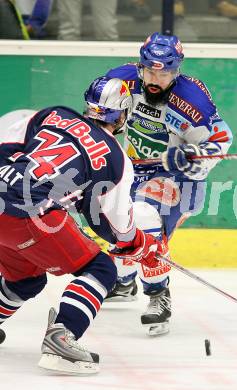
(142,249)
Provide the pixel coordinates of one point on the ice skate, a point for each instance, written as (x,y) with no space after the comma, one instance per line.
(156,317)
(61,352)
(123,292)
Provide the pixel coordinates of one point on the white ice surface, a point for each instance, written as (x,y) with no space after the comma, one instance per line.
(130,360)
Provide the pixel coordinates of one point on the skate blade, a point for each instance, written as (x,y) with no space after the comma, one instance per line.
(157,329)
(58,364)
(131,298)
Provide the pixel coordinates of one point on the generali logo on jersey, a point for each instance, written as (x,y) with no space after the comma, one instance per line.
(80,130)
(186,107)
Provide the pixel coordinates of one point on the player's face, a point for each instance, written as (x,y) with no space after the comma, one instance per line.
(155,79)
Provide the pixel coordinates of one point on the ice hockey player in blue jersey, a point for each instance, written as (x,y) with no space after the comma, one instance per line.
(57,161)
(173,117)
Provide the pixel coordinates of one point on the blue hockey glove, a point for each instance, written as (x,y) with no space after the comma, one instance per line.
(179,159)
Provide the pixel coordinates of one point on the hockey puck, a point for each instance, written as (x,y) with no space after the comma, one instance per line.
(2,336)
(208,347)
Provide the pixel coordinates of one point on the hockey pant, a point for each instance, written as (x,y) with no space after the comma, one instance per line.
(159,208)
(147,219)
(81,299)
(153,279)
(24,269)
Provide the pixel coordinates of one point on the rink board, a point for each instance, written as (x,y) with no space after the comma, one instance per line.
(215,248)
(38,74)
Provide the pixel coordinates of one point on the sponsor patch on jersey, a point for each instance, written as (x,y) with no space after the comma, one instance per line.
(163,190)
(186,107)
(161,269)
(144,148)
(219,133)
(147,126)
(147,142)
(147,110)
(176,121)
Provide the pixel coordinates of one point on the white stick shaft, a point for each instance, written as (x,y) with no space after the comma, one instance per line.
(198,278)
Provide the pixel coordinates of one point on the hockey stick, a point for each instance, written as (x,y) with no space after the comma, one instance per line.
(196,277)
(149,161)
(188,273)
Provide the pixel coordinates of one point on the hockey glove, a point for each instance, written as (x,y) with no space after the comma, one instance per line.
(142,249)
(179,159)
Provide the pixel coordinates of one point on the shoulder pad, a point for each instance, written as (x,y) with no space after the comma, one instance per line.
(191,99)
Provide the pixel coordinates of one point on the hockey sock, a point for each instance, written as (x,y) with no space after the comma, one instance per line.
(9,302)
(80,303)
(154,288)
(126,280)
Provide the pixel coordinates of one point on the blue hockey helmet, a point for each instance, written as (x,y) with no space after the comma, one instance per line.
(106,99)
(161,52)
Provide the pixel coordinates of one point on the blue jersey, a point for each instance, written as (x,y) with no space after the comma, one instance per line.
(189,116)
(59,159)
